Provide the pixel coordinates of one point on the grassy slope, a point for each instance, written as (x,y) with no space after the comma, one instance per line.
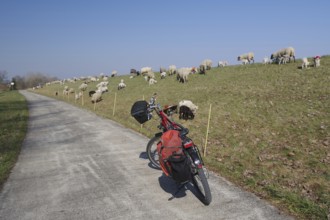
(269,130)
(13,127)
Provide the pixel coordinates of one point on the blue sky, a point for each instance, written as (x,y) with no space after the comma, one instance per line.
(73,38)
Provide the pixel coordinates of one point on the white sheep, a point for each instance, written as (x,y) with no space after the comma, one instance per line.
(284,59)
(171,70)
(102,84)
(207,63)
(83,86)
(96,97)
(182,75)
(162,75)
(317,61)
(149,75)
(189,104)
(285,51)
(266,60)
(77,95)
(102,89)
(305,63)
(222,63)
(245,61)
(152,81)
(248,56)
(121,85)
(145,70)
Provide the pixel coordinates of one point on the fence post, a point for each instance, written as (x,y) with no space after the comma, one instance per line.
(114,105)
(207,130)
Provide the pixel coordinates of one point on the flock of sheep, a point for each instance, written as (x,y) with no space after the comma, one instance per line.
(282,56)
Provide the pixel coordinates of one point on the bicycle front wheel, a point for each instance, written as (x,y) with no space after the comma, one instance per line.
(201,184)
(152,152)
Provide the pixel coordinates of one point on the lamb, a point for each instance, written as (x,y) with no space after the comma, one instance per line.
(285,51)
(101,84)
(172,70)
(149,75)
(248,56)
(266,60)
(77,95)
(152,81)
(222,63)
(102,89)
(305,63)
(207,63)
(244,61)
(162,75)
(317,61)
(121,85)
(96,97)
(184,112)
(284,59)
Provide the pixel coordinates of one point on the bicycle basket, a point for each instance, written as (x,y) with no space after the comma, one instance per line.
(139,111)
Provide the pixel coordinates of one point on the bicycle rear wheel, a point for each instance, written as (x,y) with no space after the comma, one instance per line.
(152,151)
(201,184)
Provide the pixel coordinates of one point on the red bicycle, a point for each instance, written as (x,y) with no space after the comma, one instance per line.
(172,151)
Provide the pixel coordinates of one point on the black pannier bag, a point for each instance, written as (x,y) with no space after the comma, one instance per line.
(140,111)
(180,166)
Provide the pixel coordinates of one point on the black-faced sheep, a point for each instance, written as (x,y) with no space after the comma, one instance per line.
(96,97)
(248,56)
(285,51)
(185,113)
(90,93)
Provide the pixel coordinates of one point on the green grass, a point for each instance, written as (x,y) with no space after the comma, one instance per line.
(13,127)
(269,130)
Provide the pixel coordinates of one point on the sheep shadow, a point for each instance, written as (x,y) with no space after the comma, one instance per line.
(177,190)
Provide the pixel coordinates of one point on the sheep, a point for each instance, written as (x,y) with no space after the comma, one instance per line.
(283,59)
(121,85)
(133,72)
(114,73)
(101,84)
(285,51)
(202,69)
(207,63)
(77,95)
(172,70)
(248,56)
(162,69)
(162,75)
(96,97)
(152,81)
(317,61)
(192,107)
(266,60)
(185,113)
(305,63)
(222,63)
(90,93)
(83,86)
(149,75)
(145,70)
(182,75)
(244,61)
(102,89)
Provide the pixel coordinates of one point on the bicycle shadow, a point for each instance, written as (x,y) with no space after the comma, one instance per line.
(176,189)
(144,155)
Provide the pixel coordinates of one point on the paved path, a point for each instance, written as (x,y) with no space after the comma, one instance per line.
(76,165)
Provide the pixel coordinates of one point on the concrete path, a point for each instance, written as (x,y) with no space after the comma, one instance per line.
(76,165)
